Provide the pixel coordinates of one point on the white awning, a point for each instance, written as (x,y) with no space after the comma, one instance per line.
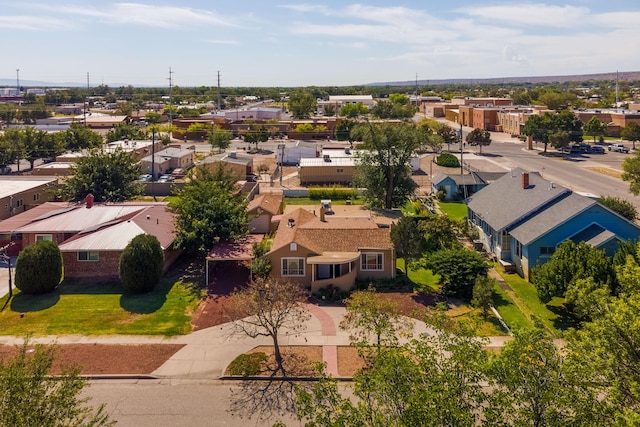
(334,258)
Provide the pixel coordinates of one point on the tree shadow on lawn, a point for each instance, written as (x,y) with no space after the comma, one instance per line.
(23,303)
(147,303)
(566,319)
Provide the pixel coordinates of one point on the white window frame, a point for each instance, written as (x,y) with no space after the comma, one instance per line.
(19,203)
(285,267)
(379,261)
(41,237)
(36,197)
(95,258)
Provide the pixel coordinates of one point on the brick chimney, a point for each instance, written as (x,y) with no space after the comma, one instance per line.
(525,180)
(89,200)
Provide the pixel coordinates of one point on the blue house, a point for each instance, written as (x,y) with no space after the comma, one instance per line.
(459,187)
(522,219)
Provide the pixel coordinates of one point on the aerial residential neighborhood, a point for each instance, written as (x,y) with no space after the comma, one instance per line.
(320,214)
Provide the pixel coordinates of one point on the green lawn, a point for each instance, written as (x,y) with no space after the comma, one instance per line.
(512,316)
(424,280)
(101,308)
(309,201)
(454,210)
(553,315)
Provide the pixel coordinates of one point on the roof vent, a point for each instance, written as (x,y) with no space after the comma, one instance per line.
(326,158)
(89,200)
(551,185)
(148,216)
(291,222)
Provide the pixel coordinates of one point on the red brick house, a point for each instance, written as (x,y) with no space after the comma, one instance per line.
(91,236)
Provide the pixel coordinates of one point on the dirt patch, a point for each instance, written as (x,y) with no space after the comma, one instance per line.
(413,304)
(107,359)
(297,360)
(349,361)
(606,171)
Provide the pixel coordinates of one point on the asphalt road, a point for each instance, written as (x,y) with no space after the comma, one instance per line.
(160,403)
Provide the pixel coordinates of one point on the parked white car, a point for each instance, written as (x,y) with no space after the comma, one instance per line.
(619,148)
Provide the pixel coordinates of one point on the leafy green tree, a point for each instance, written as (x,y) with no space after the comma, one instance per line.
(620,206)
(79,137)
(390,110)
(482,296)
(208,207)
(631,132)
(369,315)
(37,144)
(568,264)
(343,130)
(256,134)
(30,395)
(8,151)
(39,268)
(537,385)
(260,264)
(458,270)
(595,128)
(124,131)
(110,177)
(433,380)
(383,164)
(559,140)
(608,345)
(219,138)
(353,110)
(449,135)
(440,232)
(540,128)
(141,263)
(408,239)
(301,103)
(271,306)
(631,172)
(447,160)
(479,138)
(329,110)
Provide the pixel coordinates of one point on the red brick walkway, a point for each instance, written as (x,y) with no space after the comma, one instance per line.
(329,352)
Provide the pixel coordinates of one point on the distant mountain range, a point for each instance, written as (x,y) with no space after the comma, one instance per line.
(623,75)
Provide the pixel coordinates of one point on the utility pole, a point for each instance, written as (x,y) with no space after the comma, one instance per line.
(18,80)
(85,101)
(417,102)
(170,104)
(461,153)
(219,91)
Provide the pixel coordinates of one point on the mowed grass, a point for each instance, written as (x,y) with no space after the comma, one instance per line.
(553,315)
(424,280)
(511,314)
(453,210)
(101,308)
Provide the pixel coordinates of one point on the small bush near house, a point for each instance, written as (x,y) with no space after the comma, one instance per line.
(39,268)
(141,264)
(247,365)
(332,193)
(331,293)
(447,160)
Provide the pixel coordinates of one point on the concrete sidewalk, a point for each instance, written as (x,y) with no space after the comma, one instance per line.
(207,352)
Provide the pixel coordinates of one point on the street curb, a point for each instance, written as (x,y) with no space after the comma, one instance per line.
(121,377)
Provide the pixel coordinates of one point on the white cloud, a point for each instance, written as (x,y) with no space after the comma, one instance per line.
(143,14)
(225,42)
(31,23)
(531,15)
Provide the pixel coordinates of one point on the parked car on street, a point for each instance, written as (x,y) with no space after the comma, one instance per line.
(619,148)
(597,149)
(165,178)
(146,177)
(177,172)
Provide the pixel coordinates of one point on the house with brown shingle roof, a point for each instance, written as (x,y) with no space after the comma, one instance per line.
(91,236)
(321,250)
(261,211)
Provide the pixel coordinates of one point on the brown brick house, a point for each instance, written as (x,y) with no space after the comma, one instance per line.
(91,237)
(318,250)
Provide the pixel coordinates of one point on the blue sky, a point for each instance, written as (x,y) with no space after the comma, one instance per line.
(287,43)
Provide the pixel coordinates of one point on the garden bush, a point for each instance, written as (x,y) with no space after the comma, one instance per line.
(141,264)
(334,192)
(447,160)
(247,365)
(39,268)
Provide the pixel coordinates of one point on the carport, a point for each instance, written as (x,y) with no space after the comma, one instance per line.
(236,250)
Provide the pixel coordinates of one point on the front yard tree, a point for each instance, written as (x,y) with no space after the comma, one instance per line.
(458,270)
(595,128)
(369,315)
(408,239)
(110,177)
(559,140)
(39,268)
(383,164)
(479,138)
(631,132)
(631,172)
(79,137)
(31,395)
(570,263)
(301,103)
(270,305)
(209,208)
(482,296)
(141,264)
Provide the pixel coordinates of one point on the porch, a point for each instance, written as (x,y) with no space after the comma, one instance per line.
(334,268)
